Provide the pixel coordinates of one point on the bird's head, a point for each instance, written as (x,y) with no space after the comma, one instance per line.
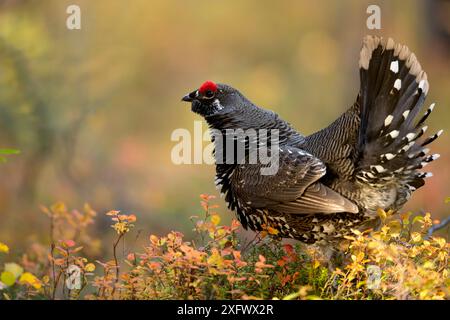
(212,99)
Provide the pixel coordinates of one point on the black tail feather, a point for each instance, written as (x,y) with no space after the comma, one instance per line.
(392,94)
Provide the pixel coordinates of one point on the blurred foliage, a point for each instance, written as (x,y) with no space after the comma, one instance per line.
(92,110)
(7,152)
(217,265)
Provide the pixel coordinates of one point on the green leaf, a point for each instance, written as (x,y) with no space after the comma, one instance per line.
(8,278)
(417,219)
(292,296)
(9,151)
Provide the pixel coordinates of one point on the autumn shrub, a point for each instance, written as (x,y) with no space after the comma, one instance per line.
(398,261)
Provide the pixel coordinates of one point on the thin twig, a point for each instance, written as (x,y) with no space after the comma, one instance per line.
(52,249)
(116,262)
(437,227)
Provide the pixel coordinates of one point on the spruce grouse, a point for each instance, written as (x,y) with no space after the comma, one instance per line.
(335,179)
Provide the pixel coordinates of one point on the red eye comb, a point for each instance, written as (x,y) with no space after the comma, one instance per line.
(208,86)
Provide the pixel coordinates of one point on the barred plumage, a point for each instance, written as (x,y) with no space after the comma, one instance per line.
(336,178)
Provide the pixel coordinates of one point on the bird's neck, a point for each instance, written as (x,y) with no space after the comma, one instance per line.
(255,118)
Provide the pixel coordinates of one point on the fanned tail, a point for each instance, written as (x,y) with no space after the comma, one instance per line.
(391,142)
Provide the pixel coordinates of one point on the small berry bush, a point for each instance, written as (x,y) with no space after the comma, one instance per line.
(217,265)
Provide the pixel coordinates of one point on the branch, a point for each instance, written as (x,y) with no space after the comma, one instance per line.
(437,227)
(116,280)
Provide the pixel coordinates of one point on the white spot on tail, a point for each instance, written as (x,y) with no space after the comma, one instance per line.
(394,66)
(422,84)
(398,84)
(388,120)
(408,146)
(435,156)
(410,136)
(394,134)
(405,114)
(389,156)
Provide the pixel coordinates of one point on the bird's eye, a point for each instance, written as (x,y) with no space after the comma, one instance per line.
(209,94)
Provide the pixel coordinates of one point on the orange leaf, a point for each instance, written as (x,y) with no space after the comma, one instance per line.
(68,243)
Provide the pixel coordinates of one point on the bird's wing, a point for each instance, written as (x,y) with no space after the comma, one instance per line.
(293,188)
(318,198)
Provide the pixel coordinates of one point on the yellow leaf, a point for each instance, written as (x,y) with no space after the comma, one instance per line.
(316,264)
(154,239)
(416,237)
(7,278)
(121,227)
(4,248)
(215,219)
(215,259)
(220,233)
(395,228)
(59,207)
(272,231)
(292,296)
(440,241)
(14,268)
(382,214)
(373,245)
(90,267)
(28,278)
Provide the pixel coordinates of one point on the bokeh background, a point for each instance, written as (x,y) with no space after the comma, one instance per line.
(92,111)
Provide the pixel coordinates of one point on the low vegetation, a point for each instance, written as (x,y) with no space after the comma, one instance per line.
(398,261)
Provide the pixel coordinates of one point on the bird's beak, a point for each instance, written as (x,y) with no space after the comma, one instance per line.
(190,97)
(186,98)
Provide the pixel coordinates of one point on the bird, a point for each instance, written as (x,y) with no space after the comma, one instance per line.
(337,179)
